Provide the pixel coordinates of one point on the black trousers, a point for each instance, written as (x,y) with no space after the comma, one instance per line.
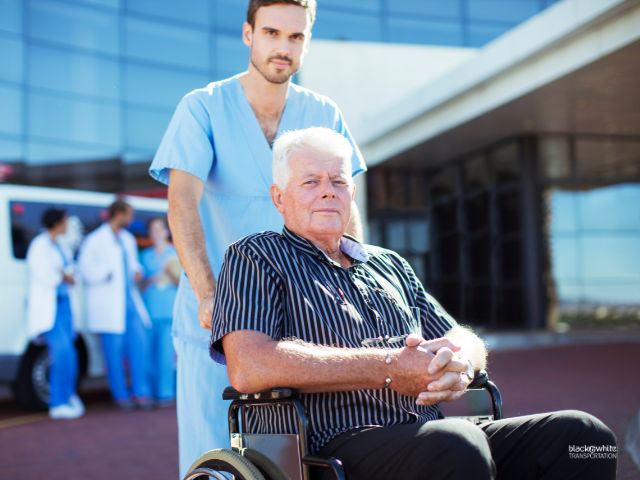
(543,446)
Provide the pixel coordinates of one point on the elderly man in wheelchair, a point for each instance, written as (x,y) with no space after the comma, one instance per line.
(351,356)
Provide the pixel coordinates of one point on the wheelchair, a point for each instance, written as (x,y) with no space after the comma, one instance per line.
(285,456)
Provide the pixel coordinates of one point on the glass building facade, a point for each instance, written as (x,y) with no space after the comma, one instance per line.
(91,84)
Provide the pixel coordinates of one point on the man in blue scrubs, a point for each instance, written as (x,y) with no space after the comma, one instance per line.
(216,158)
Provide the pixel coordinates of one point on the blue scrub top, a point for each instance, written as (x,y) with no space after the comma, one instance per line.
(215,136)
(158,298)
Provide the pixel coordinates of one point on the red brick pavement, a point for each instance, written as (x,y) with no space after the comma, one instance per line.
(108,444)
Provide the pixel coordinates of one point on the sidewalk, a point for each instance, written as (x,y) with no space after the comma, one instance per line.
(105,444)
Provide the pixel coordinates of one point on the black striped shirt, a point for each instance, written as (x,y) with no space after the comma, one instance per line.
(285,287)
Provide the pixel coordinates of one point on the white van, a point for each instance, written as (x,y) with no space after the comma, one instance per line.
(24,363)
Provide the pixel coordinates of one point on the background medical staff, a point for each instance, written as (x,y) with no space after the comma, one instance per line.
(109,265)
(161,274)
(216,158)
(49,312)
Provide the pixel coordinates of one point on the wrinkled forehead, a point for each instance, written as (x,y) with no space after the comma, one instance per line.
(307,160)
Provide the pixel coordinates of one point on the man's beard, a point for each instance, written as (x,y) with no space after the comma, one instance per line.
(277,78)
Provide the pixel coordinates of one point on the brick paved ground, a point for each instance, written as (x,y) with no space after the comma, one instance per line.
(107,444)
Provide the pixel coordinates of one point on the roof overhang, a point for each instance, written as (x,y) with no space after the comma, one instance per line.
(574,68)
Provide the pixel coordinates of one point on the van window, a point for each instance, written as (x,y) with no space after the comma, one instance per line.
(83,219)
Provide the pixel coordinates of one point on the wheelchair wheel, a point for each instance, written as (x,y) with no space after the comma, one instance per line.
(215,463)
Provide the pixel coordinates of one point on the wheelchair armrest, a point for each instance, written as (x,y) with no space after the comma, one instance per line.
(231,393)
(480,380)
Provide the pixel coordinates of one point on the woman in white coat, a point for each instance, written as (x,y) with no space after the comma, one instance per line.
(110,268)
(49,312)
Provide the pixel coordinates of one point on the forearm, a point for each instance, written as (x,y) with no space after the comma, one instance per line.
(472,347)
(307,367)
(188,236)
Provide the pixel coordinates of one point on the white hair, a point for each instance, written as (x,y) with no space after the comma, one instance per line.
(318,139)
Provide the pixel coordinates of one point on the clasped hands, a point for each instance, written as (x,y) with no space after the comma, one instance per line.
(430,370)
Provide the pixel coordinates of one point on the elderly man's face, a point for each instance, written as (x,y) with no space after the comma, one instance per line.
(317,200)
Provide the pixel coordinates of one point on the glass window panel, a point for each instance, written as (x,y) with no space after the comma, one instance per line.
(564,258)
(348,26)
(375,234)
(11,18)
(42,152)
(425,32)
(419,236)
(230,15)
(103,3)
(620,294)
(610,208)
(73,72)
(145,127)
(436,8)
(10,150)
(611,257)
(597,158)
(11,110)
(514,11)
(397,235)
(475,174)
(368,5)
(504,161)
(195,11)
(12,52)
(70,119)
(74,25)
(167,44)
(564,212)
(569,292)
(159,86)
(480,35)
(555,157)
(230,54)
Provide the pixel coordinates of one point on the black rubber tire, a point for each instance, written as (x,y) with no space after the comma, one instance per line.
(31,387)
(224,460)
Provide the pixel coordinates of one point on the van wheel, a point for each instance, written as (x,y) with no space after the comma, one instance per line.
(31,388)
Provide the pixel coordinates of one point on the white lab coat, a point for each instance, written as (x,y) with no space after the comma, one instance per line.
(45,266)
(102,269)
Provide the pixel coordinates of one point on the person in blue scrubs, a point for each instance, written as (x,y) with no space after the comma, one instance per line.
(216,159)
(161,271)
(49,313)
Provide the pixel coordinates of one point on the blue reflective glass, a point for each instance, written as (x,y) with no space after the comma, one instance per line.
(365,5)
(564,212)
(12,54)
(229,15)
(512,11)
(42,152)
(621,293)
(11,110)
(611,208)
(11,16)
(159,87)
(230,54)
(480,35)
(348,26)
(425,32)
(611,256)
(145,127)
(564,255)
(167,44)
(73,72)
(74,25)
(10,150)
(434,8)
(65,118)
(195,11)
(103,3)
(569,292)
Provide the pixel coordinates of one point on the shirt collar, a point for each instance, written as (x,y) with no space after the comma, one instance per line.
(348,245)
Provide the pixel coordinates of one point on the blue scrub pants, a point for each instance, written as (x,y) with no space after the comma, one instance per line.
(63,371)
(202,414)
(132,345)
(163,371)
